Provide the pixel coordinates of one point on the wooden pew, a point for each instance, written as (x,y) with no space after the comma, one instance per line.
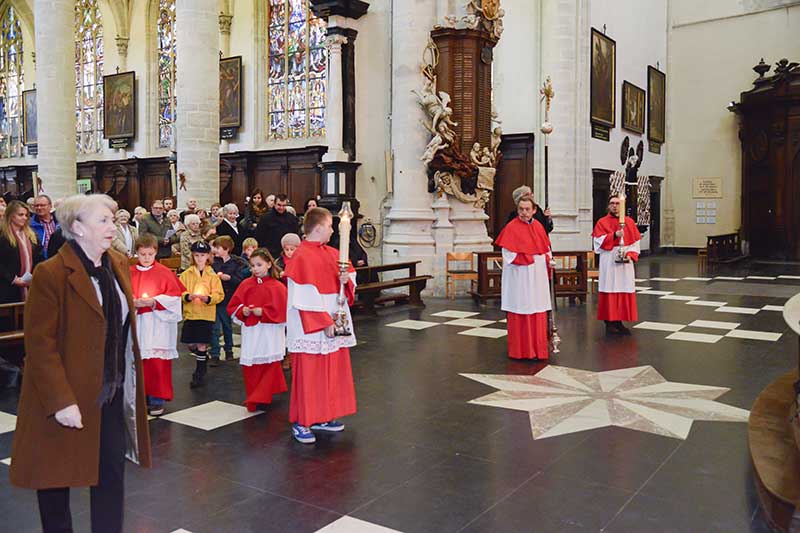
(724,248)
(369,294)
(11,332)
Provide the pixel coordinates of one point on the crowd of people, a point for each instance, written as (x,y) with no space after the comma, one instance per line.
(106,384)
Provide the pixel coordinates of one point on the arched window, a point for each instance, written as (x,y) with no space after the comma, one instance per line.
(297,66)
(166,72)
(88,77)
(11,85)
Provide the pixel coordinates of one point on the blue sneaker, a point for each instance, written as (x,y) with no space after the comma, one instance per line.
(332,427)
(302,434)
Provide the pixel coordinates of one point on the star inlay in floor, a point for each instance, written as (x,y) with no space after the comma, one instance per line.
(564,400)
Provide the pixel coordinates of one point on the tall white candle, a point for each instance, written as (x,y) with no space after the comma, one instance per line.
(345,214)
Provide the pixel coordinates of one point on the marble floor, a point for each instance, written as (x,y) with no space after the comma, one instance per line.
(640,433)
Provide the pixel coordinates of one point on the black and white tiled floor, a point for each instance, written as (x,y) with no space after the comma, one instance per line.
(438,446)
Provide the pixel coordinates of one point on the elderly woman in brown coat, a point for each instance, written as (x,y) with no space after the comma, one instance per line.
(82,408)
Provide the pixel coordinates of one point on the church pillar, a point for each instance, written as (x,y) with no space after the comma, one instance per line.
(565,58)
(225,50)
(334,113)
(197,124)
(408,231)
(55,84)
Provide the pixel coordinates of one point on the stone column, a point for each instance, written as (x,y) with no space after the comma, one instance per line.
(197,127)
(122,51)
(407,232)
(334,113)
(55,84)
(565,58)
(225,49)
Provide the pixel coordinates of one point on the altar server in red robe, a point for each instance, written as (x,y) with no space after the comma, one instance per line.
(322,379)
(618,248)
(259,307)
(157,298)
(525,294)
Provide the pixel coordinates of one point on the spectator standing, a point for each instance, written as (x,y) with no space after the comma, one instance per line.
(125,240)
(157,225)
(19,253)
(256,208)
(274,225)
(227,226)
(188,238)
(191,209)
(43,222)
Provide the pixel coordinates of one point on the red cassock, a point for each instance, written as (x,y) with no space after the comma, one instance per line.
(525,288)
(157,328)
(322,379)
(263,338)
(617,287)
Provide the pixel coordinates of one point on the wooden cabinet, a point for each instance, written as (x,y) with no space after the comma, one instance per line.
(770,136)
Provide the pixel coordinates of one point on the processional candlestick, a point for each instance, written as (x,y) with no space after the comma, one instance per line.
(341,322)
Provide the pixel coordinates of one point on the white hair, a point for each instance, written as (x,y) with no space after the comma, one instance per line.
(139,209)
(122,212)
(73,208)
(188,219)
(172,212)
(230,208)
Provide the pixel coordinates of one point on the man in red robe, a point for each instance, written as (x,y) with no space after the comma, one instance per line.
(525,284)
(618,247)
(322,379)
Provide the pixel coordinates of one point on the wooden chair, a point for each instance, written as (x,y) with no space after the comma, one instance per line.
(458,272)
(702,260)
(592,272)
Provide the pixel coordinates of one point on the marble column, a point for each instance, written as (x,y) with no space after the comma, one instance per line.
(197,124)
(55,84)
(408,226)
(225,49)
(334,113)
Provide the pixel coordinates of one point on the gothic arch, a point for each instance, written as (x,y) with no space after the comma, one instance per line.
(25,14)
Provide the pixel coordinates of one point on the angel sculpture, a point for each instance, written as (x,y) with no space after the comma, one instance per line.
(437,143)
(437,107)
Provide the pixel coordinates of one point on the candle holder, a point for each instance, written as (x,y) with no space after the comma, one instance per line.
(341,322)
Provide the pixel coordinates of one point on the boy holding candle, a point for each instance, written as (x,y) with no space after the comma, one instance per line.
(157,298)
(232,270)
(322,379)
(203,293)
(259,307)
(616,240)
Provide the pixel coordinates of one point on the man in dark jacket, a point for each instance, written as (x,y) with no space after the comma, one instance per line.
(274,225)
(543,216)
(158,225)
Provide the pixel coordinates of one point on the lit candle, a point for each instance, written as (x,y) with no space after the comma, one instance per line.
(200,291)
(144,296)
(345,215)
(622,209)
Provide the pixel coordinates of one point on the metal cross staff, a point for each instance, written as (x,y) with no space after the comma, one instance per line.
(548,93)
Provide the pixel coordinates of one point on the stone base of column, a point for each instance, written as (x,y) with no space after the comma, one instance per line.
(469,224)
(408,237)
(443,236)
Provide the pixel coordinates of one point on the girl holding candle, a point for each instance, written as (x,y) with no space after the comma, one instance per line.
(203,293)
(157,299)
(259,307)
(322,379)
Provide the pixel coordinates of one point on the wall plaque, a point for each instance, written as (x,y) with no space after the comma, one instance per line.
(707,188)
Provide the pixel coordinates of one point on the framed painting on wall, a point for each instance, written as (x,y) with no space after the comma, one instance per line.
(656,105)
(230,92)
(119,106)
(633,111)
(603,80)
(30,134)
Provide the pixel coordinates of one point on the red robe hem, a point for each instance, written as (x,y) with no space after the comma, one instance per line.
(614,306)
(261,382)
(527,336)
(322,387)
(158,378)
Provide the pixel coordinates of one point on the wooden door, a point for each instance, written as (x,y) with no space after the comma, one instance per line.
(515,169)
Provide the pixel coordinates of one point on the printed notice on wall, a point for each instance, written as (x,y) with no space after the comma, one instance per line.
(707,188)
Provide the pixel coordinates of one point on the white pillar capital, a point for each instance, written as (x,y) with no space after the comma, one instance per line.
(225,23)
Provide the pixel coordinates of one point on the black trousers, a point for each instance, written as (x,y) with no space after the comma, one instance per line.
(107,496)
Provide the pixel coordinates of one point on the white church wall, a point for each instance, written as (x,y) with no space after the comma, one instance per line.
(712,48)
(640,30)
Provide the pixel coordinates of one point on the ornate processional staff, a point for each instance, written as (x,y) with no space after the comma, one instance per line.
(548,93)
(341,323)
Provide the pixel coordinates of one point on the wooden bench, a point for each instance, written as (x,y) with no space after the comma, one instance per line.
(369,294)
(725,248)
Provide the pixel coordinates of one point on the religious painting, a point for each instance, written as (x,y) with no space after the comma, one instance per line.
(119,105)
(656,104)
(230,92)
(633,111)
(30,134)
(603,79)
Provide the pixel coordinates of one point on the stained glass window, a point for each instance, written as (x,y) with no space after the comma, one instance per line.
(11,85)
(297,68)
(88,77)
(167,101)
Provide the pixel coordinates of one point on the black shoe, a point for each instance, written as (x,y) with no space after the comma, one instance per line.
(622,329)
(213,361)
(198,380)
(611,328)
